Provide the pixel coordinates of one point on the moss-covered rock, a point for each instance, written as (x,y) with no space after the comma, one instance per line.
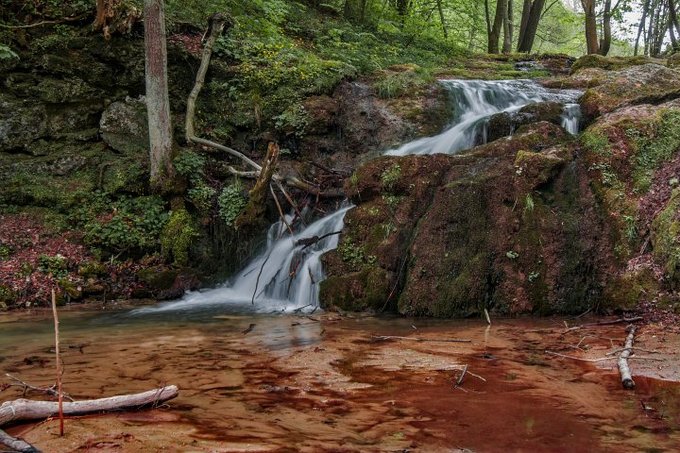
(610,63)
(648,83)
(500,227)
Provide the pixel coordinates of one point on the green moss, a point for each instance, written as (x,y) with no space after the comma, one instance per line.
(7,297)
(357,291)
(655,148)
(90,269)
(390,176)
(666,239)
(178,236)
(609,63)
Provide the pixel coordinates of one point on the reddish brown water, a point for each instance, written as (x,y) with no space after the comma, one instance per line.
(326,384)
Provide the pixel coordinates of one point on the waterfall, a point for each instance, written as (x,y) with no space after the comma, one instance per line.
(475,101)
(286,275)
(571,118)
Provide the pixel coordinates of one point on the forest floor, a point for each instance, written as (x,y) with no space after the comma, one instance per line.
(331,383)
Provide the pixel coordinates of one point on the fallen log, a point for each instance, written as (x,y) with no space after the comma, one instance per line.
(23,409)
(16,444)
(626,377)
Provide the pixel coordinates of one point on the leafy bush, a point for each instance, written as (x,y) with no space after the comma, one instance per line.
(231,202)
(55,265)
(189,164)
(132,225)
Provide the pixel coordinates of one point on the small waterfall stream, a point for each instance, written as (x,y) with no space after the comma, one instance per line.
(286,276)
(475,101)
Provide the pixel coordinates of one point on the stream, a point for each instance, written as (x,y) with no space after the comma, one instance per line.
(260,369)
(328,383)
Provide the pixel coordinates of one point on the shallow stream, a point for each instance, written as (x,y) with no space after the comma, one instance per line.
(267,383)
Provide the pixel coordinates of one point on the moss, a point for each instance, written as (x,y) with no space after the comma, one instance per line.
(666,239)
(655,147)
(626,291)
(178,236)
(536,169)
(356,291)
(609,63)
(157,278)
(7,297)
(90,269)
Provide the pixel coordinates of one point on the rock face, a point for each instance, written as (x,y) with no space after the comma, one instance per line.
(535,223)
(124,126)
(509,226)
(504,124)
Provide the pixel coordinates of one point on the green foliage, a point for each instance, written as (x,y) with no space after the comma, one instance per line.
(529,204)
(5,251)
(178,236)
(293,120)
(395,84)
(6,53)
(390,176)
(55,265)
(130,225)
(189,164)
(231,202)
(355,255)
(511,254)
(392,201)
(201,197)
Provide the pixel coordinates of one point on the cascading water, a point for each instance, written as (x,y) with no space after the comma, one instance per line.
(475,101)
(287,274)
(284,277)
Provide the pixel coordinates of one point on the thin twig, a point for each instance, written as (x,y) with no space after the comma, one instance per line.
(394,337)
(462,376)
(48,390)
(60,398)
(281,214)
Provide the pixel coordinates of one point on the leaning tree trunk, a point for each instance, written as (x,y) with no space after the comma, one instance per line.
(157,99)
(529,35)
(641,27)
(606,41)
(495,34)
(508,28)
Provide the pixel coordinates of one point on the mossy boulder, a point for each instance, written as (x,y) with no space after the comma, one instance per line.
(610,63)
(500,227)
(505,123)
(674,61)
(648,83)
(124,126)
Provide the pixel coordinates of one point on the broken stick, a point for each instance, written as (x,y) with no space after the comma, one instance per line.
(626,378)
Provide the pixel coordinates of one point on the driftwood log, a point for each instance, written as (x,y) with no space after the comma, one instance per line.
(23,409)
(624,369)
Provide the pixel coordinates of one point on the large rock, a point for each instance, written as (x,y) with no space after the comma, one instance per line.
(649,83)
(507,227)
(505,123)
(21,123)
(124,126)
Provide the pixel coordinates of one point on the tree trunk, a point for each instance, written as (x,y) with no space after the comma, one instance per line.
(534,17)
(592,44)
(675,23)
(508,28)
(494,36)
(441,18)
(641,27)
(22,409)
(606,41)
(157,99)
(526,9)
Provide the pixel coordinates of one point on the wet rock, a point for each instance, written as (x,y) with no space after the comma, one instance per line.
(124,126)
(497,227)
(505,123)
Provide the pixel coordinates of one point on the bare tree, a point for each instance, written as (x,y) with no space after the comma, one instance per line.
(157,99)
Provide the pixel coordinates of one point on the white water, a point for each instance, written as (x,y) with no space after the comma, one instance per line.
(478,100)
(285,277)
(270,273)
